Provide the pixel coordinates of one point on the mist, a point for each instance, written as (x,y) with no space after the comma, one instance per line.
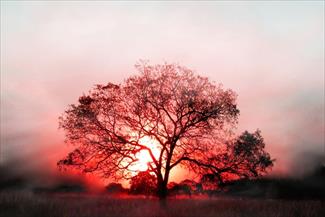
(271,54)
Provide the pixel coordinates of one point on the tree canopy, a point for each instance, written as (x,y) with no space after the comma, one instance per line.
(189,119)
(242,157)
(143,183)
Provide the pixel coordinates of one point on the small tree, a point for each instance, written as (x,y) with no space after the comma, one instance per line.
(143,183)
(243,157)
(188,118)
(115,188)
(186,187)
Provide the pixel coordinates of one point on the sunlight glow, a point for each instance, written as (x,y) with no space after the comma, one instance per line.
(144,156)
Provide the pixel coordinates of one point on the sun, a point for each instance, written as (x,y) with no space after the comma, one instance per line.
(143,156)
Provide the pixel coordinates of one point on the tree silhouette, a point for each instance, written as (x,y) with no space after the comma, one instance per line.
(115,188)
(243,157)
(186,116)
(143,183)
(185,187)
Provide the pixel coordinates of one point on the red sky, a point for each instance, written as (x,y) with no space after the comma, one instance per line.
(270,53)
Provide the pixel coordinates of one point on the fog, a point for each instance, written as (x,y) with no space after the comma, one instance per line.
(270,53)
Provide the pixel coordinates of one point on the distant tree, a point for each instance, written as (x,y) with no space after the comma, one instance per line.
(143,183)
(187,116)
(193,185)
(185,187)
(115,188)
(180,189)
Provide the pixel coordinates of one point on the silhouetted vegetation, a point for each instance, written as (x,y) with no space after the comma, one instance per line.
(189,118)
(61,188)
(143,183)
(116,189)
(186,187)
(10,180)
(311,186)
(247,198)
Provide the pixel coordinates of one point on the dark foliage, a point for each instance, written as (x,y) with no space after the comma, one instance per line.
(309,187)
(61,188)
(189,118)
(10,180)
(143,183)
(186,187)
(244,157)
(115,188)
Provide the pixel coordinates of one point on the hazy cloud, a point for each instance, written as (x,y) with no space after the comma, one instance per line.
(270,53)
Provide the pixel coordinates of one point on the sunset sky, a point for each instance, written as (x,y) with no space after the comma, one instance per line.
(270,53)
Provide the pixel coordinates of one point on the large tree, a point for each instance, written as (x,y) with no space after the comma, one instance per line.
(186,116)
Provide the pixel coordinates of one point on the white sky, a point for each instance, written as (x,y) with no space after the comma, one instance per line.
(270,52)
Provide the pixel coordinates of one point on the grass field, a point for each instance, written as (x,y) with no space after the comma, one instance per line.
(23,204)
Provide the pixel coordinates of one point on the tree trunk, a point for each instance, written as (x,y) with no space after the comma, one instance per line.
(162,190)
(162,194)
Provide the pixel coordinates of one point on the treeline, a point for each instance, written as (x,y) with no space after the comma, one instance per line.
(311,186)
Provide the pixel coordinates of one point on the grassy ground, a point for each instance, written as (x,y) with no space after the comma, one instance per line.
(70,205)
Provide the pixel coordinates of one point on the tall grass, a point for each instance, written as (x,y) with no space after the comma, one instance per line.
(24,204)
